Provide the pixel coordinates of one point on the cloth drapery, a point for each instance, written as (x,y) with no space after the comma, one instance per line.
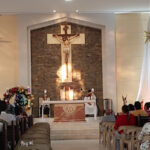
(144,86)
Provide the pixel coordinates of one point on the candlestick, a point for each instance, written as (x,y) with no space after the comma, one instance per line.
(45,94)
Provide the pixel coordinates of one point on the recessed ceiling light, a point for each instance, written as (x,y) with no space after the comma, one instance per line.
(54,11)
(77,11)
(68,0)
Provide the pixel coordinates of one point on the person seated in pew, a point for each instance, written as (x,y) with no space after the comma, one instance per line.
(4,115)
(144,136)
(11,105)
(124,119)
(19,112)
(108,117)
(147,108)
(131,108)
(138,111)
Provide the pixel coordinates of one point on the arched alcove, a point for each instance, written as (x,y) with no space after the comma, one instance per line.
(45,60)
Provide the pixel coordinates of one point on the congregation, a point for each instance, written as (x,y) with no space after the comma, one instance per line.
(17,130)
(115,130)
(131,124)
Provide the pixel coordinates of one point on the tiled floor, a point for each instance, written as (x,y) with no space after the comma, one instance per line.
(77,145)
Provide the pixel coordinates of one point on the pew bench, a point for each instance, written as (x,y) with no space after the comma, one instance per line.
(3,136)
(35,138)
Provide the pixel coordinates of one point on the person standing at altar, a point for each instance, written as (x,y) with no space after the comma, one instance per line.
(90,108)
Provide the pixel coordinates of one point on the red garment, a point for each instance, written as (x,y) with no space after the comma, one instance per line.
(122,120)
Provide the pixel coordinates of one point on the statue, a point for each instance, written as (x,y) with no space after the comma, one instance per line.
(65,40)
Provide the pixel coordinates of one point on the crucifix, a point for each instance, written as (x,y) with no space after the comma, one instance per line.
(66,39)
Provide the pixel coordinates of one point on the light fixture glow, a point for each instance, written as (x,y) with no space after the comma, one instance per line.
(68,0)
(63,73)
(77,11)
(70,94)
(54,11)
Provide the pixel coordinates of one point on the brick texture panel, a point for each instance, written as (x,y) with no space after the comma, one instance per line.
(46,60)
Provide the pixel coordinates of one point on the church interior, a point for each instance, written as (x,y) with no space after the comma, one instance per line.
(68,65)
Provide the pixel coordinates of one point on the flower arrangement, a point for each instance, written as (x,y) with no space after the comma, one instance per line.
(22,96)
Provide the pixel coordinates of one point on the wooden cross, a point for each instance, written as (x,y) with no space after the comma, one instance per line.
(66,39)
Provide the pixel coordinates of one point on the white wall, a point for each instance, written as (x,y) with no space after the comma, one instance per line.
(130,40)
(128,57)
(8,53)
(109,64)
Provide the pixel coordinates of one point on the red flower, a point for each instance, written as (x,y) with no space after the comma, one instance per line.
(5,95)
(13,90)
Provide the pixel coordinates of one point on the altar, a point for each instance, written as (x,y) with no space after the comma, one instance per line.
(68,111)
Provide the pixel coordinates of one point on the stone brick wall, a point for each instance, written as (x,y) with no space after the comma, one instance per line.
(46,61)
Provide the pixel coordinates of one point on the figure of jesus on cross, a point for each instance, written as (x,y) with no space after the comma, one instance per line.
(65,39)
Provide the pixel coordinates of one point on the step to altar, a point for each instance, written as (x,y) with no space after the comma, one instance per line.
(88,129)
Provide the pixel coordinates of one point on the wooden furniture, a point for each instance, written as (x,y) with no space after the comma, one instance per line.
(17,131)
(69,112)
(106,130)
(11,135)
(30,121)
(128,136)
(3,137)
(110,140)
(73,110)
(41,107)
(36,137)
(21,122)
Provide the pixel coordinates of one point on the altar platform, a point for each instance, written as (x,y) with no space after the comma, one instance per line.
(88,129)
(67,111)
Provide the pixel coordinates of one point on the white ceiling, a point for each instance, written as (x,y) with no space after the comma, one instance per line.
(84,6)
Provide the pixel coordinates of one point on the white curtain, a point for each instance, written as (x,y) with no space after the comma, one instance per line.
(144,86)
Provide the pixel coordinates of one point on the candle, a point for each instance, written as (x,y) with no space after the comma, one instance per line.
(70,94)
(45,91)
(28,89)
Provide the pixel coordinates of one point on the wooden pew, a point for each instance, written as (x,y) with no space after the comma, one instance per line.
(110,135)
(30,121)
(3,138)
(129,136)
(107,131)
(11,135)
(39,133)
(17,131)
(21,123)
(25,124)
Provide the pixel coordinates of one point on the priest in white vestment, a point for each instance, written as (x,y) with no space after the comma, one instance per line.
(91,108)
